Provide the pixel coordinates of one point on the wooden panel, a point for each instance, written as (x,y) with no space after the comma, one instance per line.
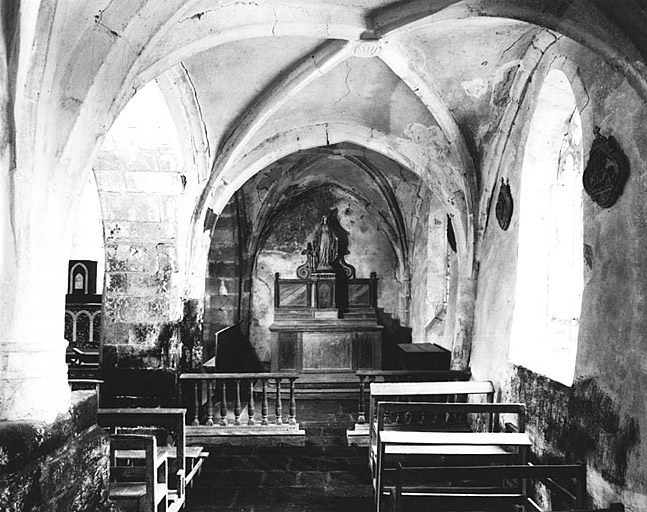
(455,438)
(327,351)
(288,353)
(293,294)
(365,350)
(288,350)
(431,388)
(359,294)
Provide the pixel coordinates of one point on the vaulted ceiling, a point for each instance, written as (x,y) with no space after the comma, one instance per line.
(433,85)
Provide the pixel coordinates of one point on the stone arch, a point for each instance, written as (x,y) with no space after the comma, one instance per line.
(407,153)
(539,59)
(413,154)
(578,20)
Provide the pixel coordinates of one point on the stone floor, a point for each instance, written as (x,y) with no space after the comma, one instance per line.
(325,475)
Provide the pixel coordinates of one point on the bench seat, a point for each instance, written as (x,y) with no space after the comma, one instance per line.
(412,447)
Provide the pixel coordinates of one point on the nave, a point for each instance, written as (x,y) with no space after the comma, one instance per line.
(328,187)
(336,471)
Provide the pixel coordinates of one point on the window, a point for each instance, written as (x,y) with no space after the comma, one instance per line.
(550,269)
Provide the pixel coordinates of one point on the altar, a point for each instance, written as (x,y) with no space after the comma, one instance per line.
(325,321)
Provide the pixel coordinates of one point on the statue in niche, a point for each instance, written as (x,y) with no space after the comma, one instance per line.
(325,246)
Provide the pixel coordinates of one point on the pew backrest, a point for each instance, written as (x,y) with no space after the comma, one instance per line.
(167,418)
(392,391)
(423,484)
(145,485)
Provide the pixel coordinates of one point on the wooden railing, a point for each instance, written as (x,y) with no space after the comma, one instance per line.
(217,386)
(401,376)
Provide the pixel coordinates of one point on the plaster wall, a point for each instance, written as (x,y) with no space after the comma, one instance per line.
(370,251)
(601,418)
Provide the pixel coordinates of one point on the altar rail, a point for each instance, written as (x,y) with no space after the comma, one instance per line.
(232,382)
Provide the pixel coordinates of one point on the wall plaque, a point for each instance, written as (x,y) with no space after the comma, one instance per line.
(504,205)
(606,172)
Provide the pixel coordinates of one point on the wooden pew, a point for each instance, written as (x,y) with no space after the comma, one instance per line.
(142,487)
(415,391)
(414,447)
(485,487)
(442,413)
(359,434)
(189,459)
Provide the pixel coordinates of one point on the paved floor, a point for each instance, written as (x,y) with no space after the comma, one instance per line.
(324,476)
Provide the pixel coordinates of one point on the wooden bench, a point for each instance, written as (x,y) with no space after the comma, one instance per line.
(440,416)
(485,487)
(189,460)
(416,391)
(415,447)
(143,488)
(358,435)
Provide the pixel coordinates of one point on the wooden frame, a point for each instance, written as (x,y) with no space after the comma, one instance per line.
(412,447)
(391,391)
(488,487)
(145,485)
(189,461)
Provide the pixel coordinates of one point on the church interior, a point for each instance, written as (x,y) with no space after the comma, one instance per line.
(220,209)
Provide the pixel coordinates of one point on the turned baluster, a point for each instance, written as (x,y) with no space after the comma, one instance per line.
(361,413)
(264,406)
(209,421)
(238,407)
(250,405)
(223,403)
(279,407)
(293,404)
(196,405)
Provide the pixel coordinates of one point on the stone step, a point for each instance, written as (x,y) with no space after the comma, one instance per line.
(285,499)
(247,478)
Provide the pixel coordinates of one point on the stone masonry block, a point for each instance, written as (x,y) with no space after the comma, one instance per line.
(110,180)
(168,209)
(166,257)
(130,206)
(223,269)
(135,160)
(142,232)
(226,225)
(223,253)
(153,182)
(131,258)
(135,309)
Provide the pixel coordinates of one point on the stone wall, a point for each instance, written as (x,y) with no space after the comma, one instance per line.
(601,419)
(370,251)
(60,467)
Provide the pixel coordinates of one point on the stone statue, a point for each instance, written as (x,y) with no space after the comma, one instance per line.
(325,246)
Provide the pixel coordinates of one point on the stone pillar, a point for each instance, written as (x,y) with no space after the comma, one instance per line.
(405,300)
(33,379)
(462,343)
(33,373)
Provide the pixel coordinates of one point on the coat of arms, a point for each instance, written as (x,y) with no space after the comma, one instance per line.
(606,172)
